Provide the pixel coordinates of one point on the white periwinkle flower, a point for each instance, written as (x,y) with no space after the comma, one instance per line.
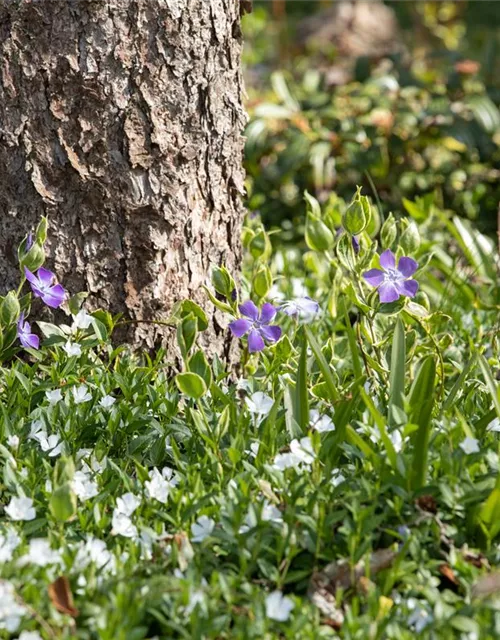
(13,441)
(259,403)
(320,423)
(82,320)
(53,397)
(40,553)
(157,486)
(81,394)
(469,445)
(494,425)
(30,635)
(278,606)
(122,524)
(21,509)
(72,348)
(303,450)
(83,486)
(337,478)
(51,444)
(107,401)
(9,541)
(202,528)
(304,308)
(127,504)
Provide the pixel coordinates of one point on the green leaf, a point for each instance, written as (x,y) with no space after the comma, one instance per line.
(198,364)
(380,423)
(62,503)
(490,383)
(191,384)
(421,403)
(301,398)
(323,365)
(9,309)
(397,375)
(353,345)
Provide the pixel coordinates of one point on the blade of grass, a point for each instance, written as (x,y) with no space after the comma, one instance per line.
(301,400)
(397,374)
(458,384)
(353,345)
(490,382)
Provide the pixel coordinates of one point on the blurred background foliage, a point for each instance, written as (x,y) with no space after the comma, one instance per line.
(399,97)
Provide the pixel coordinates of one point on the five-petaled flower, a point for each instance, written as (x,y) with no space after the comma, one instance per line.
(257,325)
(391,281)
(26,338)
(42,285)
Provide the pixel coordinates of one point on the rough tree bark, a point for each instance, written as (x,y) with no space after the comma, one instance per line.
(121,120)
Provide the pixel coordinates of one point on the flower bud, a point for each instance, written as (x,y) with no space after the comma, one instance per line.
(222,282)
(410,239)
(358,214)
(388,232)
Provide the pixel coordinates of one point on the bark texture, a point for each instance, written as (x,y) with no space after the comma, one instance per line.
(121,120)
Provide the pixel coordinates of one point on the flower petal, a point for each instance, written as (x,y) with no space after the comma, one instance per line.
(271,333)
(388,292)
(255,341)
(268,312)
(45,276)
(375,277)
(29,340)
(249,310)
(408,288)
(55,296)
(407,266)
(387,260)
(30,277)
(240,327)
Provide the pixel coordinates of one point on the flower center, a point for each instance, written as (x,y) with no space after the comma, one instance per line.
(392,275)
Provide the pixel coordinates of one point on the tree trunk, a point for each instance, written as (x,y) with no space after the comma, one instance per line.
(121,120)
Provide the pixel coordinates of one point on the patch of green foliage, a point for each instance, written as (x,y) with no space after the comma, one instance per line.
(200,505)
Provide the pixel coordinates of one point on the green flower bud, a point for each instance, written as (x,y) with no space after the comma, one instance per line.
(410,239)
(34,259)
(358,214)
(260,245)
(388,232)
(222,282)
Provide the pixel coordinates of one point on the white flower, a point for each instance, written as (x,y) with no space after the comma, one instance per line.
(397,440)
(420,617)
(260,404)
(21,509)
(469,445)
(494,425)
(122,525)
(95,551)
(13,441)
(284,461)
(37,430)
(270,513)
(82,320)
(202,528)
(254,449)
(9,541)
(127,504)
(81,394)
(170,476)
(53,397)
(72,348)
(195,597)
(107,401)
(40,554)
(278,606)
(157,487)
(303,308)
(322,424)
(11,611)
(84,487)
(53,444)
(30,635)
(48,485)
(337,478)
(303,450)
(23,473)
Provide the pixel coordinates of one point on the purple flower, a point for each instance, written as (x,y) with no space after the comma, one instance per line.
(26,338)
(29,241)
(355,244)
(256,325)
(393,282)
(42,285)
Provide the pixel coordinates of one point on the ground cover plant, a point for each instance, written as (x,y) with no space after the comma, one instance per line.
(344,482)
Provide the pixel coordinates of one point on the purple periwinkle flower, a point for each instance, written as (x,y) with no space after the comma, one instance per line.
(26,338)
(393,281)
(29,241)
(355,244)
(42,285)
(257,325)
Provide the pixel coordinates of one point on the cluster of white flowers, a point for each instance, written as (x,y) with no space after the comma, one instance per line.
(20,508)
(11,611)
(52,445)
(121,522)
(40,554)
(320,423)
(9,541)
(300,456)
(83,485)
(95,551)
